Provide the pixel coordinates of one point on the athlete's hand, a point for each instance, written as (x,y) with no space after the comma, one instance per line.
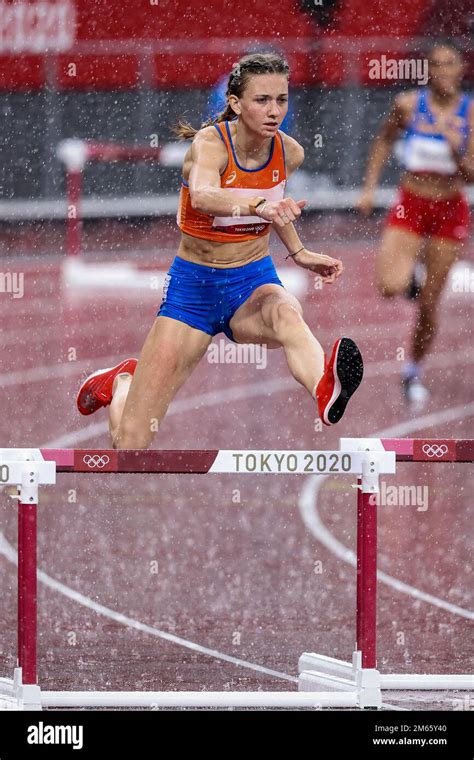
(326,267)
(365,202)
(282,212)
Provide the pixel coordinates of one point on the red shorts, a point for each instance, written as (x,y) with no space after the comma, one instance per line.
(426,217)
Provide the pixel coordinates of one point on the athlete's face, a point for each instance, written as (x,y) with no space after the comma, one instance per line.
(264,103)
(445,70)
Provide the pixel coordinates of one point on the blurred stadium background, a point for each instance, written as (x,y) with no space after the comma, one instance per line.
(93,69)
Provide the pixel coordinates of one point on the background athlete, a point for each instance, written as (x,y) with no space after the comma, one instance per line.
(438,155)
(223,279)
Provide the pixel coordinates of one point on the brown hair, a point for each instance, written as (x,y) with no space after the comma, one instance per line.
(242,70)
(447,43)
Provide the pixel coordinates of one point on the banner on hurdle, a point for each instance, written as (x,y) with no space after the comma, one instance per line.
(357,684)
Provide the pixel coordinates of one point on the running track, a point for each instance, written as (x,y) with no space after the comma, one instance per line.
(235,598)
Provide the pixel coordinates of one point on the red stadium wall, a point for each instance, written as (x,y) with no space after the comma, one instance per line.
(74,22)
(43,40)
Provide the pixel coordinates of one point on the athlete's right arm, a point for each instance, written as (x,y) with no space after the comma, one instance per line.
(382,146)
(209,158)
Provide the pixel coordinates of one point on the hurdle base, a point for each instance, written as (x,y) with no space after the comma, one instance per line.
(317,669)
(315,700)
(346,685)
(15,695)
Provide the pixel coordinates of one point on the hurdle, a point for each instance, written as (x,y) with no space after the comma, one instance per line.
(75,155)
(356,684)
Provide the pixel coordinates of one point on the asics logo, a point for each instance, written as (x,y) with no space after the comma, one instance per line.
(231,178)
(435,450)
(96,460)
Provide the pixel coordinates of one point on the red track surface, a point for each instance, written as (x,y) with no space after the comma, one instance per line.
(228,563)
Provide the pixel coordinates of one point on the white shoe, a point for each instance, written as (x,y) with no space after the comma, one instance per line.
(414,391)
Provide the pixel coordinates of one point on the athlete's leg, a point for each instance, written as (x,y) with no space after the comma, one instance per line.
(273,317)
(440,255)
(395,260)
(171,351)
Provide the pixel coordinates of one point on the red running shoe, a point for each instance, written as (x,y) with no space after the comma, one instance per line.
(96,390)
(342,376)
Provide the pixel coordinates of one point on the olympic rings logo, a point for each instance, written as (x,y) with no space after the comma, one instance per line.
(97,460)
(435,450)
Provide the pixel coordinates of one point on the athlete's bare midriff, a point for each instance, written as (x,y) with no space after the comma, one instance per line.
(222,255)
(431,185)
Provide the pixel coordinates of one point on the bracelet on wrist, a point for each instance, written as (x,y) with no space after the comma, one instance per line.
(294,254)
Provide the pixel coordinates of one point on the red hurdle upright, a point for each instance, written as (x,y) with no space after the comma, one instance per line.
(27,591)
(76,154)
(366,613)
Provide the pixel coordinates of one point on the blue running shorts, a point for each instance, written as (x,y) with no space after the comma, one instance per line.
(207,298)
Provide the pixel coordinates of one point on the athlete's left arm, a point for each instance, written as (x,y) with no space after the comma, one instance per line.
(326,267)
(465,161)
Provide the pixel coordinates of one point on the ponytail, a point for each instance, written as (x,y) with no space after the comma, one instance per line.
(184,131)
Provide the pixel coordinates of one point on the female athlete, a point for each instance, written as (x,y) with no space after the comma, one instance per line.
(222,278)
(438,155)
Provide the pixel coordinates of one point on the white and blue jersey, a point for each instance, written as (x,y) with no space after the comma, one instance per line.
(423,148)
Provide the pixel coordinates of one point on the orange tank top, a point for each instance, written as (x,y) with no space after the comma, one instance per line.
(268,180)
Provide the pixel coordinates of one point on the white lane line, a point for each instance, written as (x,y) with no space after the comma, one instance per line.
(250,390)
(63,369)
(307,503)
(70,332)
(11,554)
(369,331)
(427,421)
